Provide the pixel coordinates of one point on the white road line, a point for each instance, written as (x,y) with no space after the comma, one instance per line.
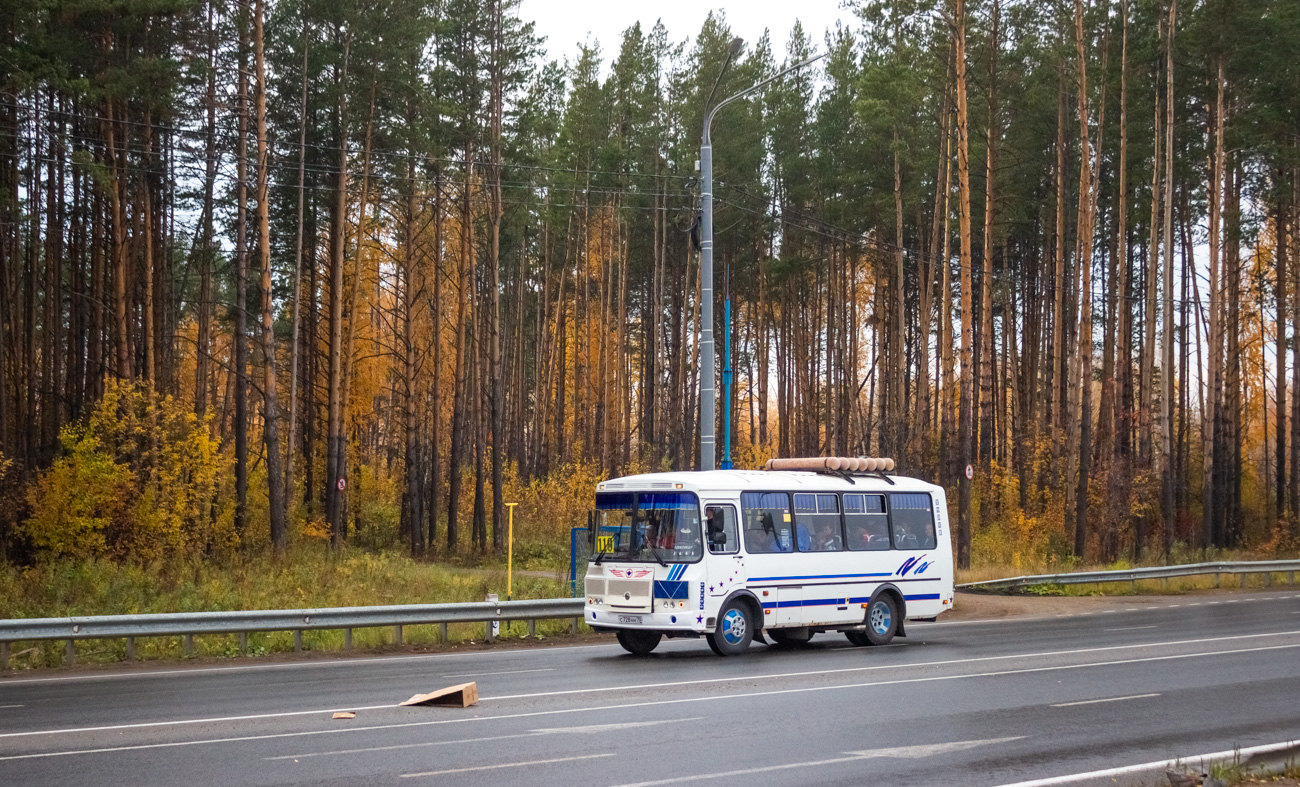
(505,765)
(1133,628)
(651,703)
(900,752)
(505,672)
(1148,766)
(1108,699)
(670,684)
(9,706)
(529,734)
(886,666)
(298,664)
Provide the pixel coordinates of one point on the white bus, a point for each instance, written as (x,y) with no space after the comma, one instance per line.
(734,554)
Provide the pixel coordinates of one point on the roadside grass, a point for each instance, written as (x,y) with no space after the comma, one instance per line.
(309,577)
(312,576)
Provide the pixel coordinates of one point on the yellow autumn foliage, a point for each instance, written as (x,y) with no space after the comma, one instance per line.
(140,477)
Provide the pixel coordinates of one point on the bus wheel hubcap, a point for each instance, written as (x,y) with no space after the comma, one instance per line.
(733,626)
(880,617)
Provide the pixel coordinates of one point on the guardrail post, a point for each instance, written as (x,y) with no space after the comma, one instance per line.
(442,633)
(1216,580)
(1292,577)
(347,639)
(130,648)
(189,644)
(532,627)
(489,635)
(573,627)
(4,655)
(297,640)
(70,653)
(397,635)
(243,643)
(1268,579)
(1243,579)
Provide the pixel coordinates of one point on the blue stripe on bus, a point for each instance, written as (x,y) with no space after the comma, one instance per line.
(839,602)
(818,576)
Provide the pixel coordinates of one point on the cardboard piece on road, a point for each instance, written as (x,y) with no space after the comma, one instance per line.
(345,714)
(459,696)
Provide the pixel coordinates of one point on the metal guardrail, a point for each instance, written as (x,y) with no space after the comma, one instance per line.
(188,624)
(1266,567)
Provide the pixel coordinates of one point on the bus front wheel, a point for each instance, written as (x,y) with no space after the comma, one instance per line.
(639,643)
(735,629)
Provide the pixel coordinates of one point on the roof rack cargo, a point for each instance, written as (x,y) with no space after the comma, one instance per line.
(846,467)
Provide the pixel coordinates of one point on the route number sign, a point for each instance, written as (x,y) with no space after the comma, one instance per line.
(604,544)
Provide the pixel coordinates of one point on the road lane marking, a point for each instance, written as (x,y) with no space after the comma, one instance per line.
(164,673)
(10,706)
(504,765)
(1108,699)
(506,672)
(900,752)
(671,684)
(1148,766)
(530,734)
(648,703)
(1132,628)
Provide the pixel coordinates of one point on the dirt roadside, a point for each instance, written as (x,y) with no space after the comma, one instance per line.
(988,606)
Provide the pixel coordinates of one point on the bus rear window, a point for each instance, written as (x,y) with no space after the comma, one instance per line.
(913,520)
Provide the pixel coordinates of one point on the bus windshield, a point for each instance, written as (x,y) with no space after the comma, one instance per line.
(647,527)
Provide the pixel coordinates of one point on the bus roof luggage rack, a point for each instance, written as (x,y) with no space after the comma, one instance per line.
(845,467)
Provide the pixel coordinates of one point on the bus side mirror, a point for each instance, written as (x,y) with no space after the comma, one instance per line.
(719,538)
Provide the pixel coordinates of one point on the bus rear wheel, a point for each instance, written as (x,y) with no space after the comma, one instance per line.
(735,629)
(639,643)
(882,620)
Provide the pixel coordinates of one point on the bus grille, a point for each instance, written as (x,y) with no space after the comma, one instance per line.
(595,586)
(628,594)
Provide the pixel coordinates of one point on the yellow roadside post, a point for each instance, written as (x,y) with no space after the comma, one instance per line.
(510,549)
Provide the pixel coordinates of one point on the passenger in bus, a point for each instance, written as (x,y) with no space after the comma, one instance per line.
(827,539)
(764,539)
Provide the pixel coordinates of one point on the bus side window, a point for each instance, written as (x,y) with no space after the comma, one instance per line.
(720,530)
(768,526)
(819,520)
(912,519)
(866,522)
(805,514)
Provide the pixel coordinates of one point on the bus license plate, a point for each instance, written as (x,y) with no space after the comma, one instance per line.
(633,619)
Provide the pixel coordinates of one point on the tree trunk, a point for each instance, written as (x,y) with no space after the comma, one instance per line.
(270,403)
(967,379)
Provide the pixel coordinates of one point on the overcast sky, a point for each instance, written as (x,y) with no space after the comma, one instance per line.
(567,23)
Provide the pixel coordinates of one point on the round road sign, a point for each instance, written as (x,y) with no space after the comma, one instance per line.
(970,473)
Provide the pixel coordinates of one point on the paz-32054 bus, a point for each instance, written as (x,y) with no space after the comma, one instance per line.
(735,554)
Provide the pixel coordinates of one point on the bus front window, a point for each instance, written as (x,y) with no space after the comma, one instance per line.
(648,527)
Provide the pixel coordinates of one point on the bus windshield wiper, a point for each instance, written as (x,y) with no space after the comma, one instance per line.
(599,557)
(655,551)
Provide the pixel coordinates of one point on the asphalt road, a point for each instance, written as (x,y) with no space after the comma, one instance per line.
(978,703)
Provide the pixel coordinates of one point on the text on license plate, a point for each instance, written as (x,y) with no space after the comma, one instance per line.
(634,619)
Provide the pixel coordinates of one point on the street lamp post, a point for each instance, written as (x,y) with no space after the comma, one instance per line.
(708,385)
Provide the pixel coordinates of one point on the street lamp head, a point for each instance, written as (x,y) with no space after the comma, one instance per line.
(737,44)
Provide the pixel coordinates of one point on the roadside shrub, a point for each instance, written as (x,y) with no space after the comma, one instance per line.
(138,478)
